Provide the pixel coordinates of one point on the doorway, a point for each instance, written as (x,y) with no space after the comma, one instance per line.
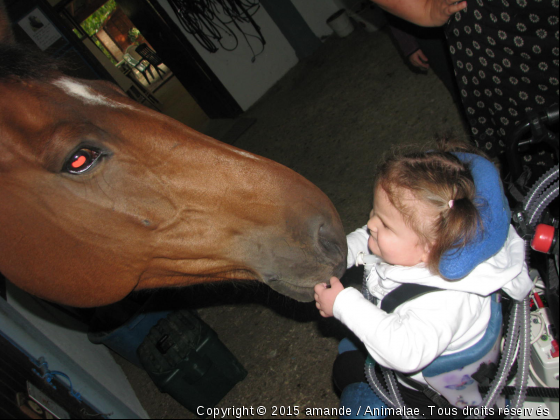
(106,30)
(178,85)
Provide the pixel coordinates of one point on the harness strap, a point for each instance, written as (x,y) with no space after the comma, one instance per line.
(532,391)
(486,372)
(425,389)
(390,302)
(404,293)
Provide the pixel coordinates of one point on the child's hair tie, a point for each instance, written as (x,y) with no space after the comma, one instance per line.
(450,204)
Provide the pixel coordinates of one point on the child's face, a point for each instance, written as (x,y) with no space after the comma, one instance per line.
(390,237)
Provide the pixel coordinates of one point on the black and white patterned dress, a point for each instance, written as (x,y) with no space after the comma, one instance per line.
(505,54)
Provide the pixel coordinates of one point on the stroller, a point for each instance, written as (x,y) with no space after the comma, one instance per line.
(531,330)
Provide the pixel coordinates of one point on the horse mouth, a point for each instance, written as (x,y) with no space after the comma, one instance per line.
(299,293)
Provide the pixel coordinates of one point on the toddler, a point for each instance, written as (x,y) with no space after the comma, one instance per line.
(425,205)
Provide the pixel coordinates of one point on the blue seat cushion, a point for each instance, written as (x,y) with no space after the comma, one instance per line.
(476,352)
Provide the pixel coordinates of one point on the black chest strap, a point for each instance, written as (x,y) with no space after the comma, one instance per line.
(390,302)
(404,293)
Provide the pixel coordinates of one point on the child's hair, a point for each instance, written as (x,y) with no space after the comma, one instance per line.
(435,178)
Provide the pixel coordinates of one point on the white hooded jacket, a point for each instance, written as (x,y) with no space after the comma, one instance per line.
(434,324)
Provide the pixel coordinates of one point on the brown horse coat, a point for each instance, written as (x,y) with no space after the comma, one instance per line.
(100,196)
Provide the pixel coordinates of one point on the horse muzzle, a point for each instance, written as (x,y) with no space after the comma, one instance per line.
(296,276)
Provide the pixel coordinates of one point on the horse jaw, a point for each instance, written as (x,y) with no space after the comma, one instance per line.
(299,293)
(290,250)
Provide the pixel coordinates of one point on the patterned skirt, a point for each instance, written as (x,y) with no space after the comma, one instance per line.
(505,56)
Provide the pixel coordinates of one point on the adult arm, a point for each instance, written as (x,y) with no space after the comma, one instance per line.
(423,12)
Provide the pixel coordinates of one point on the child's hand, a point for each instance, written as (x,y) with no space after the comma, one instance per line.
(325,296)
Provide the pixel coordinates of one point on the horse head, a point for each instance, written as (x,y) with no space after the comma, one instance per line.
(100,196)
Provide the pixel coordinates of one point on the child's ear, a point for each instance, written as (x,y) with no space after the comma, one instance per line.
(426,255)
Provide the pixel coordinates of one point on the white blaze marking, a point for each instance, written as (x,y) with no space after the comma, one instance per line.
(86,94)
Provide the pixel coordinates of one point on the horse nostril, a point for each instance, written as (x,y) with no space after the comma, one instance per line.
(330,242)
(333,243)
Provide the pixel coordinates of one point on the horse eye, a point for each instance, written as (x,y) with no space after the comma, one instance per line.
(82,160)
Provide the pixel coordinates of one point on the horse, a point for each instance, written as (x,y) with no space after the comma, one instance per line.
(101,196)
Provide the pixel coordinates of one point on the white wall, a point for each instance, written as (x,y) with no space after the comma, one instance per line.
(247,81)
